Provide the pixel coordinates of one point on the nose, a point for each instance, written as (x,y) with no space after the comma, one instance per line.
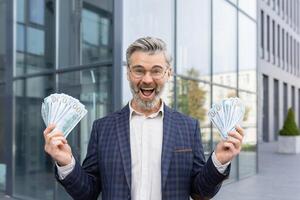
(147,78)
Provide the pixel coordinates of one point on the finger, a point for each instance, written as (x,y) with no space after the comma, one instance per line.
(234,141)
(56,143)
(236,135)
(61,138)
(240,130)
(53,134)
(49,129)
(229,146)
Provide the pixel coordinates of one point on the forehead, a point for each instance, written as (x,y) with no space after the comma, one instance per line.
(148,60)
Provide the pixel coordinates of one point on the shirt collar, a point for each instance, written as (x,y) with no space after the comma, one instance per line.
(153,115)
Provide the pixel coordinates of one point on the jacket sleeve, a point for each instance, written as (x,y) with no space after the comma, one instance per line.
(206,179)
(84,181)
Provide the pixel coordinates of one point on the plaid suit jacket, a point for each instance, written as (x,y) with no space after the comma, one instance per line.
(107,166)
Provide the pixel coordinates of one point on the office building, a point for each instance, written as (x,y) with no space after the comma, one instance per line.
(78,47)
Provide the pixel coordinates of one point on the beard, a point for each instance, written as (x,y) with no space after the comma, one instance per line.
(142,104)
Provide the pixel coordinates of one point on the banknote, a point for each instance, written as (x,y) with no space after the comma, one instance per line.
(226,115)
(62,110)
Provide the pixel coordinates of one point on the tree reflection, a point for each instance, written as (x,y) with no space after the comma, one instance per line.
(191,96)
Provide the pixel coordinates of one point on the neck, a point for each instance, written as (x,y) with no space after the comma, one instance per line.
(146,112)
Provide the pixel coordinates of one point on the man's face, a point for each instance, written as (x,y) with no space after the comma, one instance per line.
(147,75)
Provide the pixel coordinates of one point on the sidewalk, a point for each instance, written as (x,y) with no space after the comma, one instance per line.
(4,197)
(278,178)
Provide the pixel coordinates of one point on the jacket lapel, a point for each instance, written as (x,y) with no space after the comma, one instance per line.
(169,132)
(124,141)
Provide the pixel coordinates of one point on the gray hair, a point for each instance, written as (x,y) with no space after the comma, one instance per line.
(149,45)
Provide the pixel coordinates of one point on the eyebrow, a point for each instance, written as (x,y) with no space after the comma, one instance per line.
(155,66)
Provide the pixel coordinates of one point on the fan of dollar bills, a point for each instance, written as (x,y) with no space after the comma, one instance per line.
(62,110)
(226,114)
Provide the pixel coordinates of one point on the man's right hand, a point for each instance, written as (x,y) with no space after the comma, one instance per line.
(57,146)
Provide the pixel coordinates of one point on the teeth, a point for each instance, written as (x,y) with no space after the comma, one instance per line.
(147,88)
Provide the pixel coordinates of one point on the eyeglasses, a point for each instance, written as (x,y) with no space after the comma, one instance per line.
(155,73)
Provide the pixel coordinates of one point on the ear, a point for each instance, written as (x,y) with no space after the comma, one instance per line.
(170,72)
(127,73)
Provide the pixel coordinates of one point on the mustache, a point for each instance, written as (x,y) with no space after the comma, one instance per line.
(137,88)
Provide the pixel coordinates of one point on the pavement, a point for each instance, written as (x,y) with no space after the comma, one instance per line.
(5,197)
(278,178)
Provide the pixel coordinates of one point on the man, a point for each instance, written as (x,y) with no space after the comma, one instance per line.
(146,151)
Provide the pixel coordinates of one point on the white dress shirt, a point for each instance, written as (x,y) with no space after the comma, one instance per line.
(146,136)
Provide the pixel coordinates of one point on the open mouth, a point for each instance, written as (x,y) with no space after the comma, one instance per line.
(147,92)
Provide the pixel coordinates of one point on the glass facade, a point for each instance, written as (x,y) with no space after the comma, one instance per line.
(2,38)
(69,47)
(2,94)
(63,47)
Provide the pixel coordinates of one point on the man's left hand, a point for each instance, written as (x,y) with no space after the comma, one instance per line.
(226,150)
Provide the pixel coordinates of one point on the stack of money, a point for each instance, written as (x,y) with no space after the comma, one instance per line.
(226,114)
(63,111)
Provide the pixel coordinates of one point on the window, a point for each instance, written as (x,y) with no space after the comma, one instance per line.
(283,46)
(276,108)
(96,37)
(278,44)
(295,56)
(293,98)
(224,38)
(262,33)
(291,13)
(265,108)
(285,100)
(298,107)
(193,44)
(249,6)
(287,52)
(298,60)
(291,54)
(268,37)
(247,53)
(282,7)
(273,41)
(287,11)
(36,11)
(35,39)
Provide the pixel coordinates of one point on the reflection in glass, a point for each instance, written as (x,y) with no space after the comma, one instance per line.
(92,88)
(68,40)
(20,37)
(224,43)
(20,10)
(247,158)
(31,164)
(193,99)
(248,6)
(2,141)
(193,44)
(96,35)
(3,20)
(35,41)
(36,11)
(247,53)
(148,18)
